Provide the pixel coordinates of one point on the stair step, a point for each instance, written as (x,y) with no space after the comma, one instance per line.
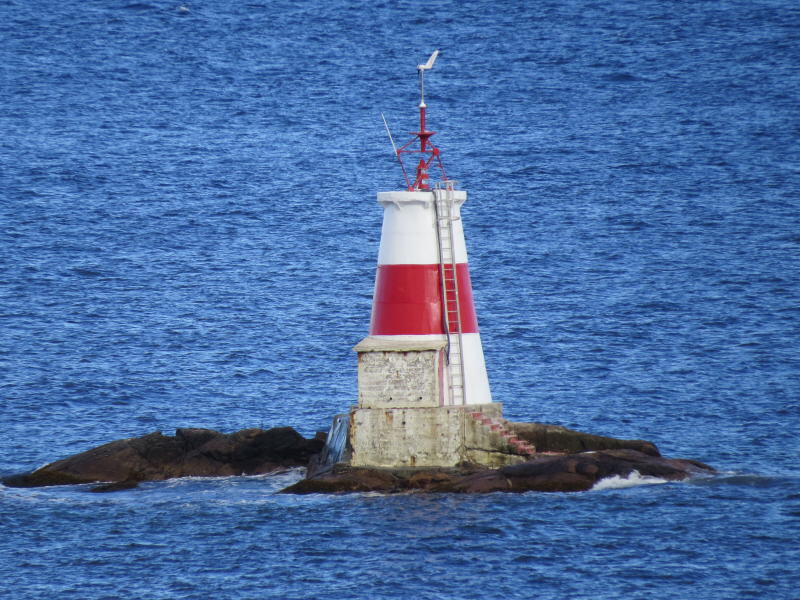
(524,448)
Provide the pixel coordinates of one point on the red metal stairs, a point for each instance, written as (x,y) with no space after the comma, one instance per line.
(498,426)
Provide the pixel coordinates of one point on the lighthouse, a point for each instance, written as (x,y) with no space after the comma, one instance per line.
(424,398)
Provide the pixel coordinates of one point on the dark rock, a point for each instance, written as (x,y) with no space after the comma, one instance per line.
(432,481)
(554,438)
(566,461)
(192,438)
(548,473)
(349,480)
(577,472)
(482,482)
(191,452)
(41,478)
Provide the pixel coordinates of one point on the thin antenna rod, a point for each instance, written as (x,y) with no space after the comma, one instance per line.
(396,153)
(391,139)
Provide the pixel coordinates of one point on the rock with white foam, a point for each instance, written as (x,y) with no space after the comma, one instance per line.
(189,453)
(542,473)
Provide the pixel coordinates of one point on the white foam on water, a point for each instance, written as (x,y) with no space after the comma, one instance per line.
(634,479)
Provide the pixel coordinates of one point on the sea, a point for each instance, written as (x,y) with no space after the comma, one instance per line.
(189,235)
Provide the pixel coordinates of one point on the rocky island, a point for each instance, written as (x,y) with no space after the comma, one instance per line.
(565,461)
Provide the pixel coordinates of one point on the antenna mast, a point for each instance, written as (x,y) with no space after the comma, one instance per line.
(427,150)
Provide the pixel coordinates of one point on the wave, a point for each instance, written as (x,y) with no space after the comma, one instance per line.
(633,479)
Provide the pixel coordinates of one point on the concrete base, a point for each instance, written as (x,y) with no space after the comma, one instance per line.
(443,436)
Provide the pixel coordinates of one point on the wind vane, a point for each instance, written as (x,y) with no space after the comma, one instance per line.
(428,152)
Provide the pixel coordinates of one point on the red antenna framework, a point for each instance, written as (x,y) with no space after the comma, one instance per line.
(429,153)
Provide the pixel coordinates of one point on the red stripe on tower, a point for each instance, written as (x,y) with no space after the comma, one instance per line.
(408,301)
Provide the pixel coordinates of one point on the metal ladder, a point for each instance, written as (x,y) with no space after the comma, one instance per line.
(445,207)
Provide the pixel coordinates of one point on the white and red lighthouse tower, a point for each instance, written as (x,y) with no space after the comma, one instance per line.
(423,391)
(422,288)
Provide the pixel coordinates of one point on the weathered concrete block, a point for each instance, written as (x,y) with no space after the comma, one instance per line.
(406,437)
(442,436)
(400,374)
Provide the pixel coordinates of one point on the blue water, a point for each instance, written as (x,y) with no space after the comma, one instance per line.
(188,237)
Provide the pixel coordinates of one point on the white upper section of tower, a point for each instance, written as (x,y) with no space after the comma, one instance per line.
(408,236)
